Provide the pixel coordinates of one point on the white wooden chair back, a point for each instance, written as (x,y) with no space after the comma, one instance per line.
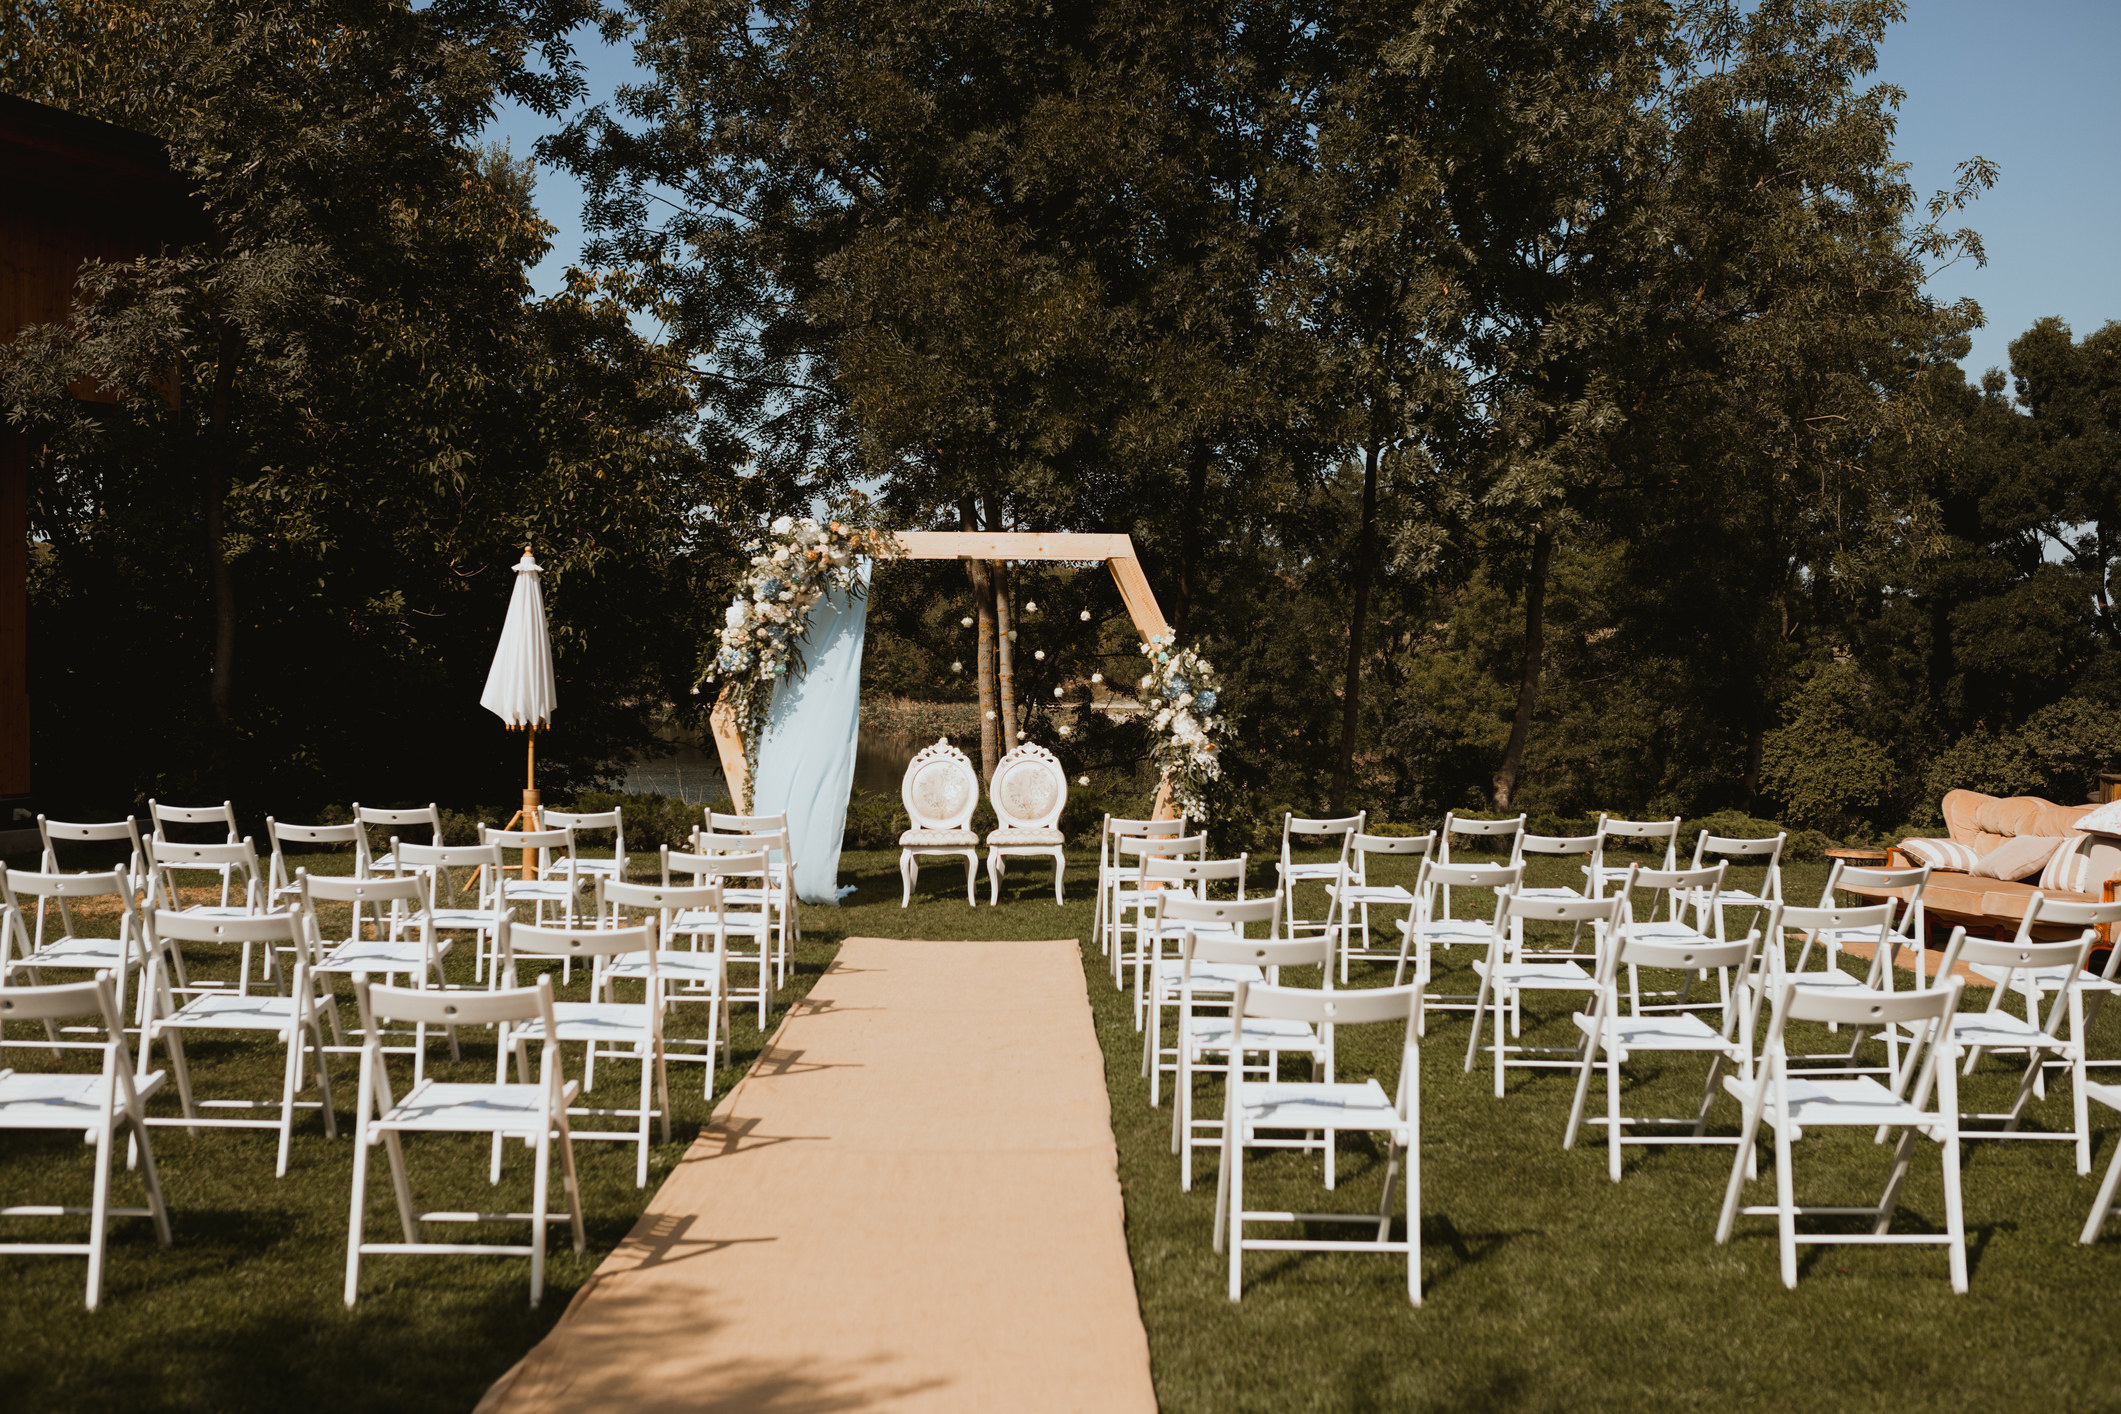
(1508,832)
(222,817)
(229,863)
(940,790)
(52,833)
(1029,789)
(280,834)
(484,860)
(1645,832)
(575,822)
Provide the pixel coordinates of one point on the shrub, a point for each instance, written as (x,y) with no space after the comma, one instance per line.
(2057,754)
(651,820)
(1825,773)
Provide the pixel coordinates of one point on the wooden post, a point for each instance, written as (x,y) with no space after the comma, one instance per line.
(530,798)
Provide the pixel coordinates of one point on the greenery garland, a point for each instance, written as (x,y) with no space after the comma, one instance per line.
(1186,735)
(766,624)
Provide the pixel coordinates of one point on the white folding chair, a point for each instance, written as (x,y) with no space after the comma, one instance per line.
(696,974)
(1354,896)
(535,1113)
(940,791)
(2043,1042)
(211,818)
(555,884)
(773,835)
(396,825)
(90,1104)
(1429,927)
(475,909)
(1110,873)
(2034,985)
(1598,874)
(1028,792)
(2103,1205)
(1765,855)
(608,1028)
(1224,960)
(1795,1105)
(294,1018)
(32,954)
(1677,889)
(1554,846)
(1156,975)
(280,880)
(405,942)
(1611,1037)
(1870,925)
(577,823)
(1911,933)
(728,924)
(1330,1108)
(1505,837)
(168,861)
(1289,871)
(126,832)
(1134,897)
(1507,973)
(1169,977)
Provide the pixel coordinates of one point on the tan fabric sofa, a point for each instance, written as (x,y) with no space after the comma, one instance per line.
(1982,822)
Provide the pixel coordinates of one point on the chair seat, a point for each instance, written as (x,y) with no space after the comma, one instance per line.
(2104,1093)
(235,1011)
(733,920)
(1861,1102)
(1740,896)
(2045,979)
(1340,1105)
(1452,932)
(1294,872)
(472,1108)
(1553,976)
(1023,836)
(679,966)
(78,952)
(1669,932)
(1135,898)
(38,1100)
(468,917)
(939,839)
(611,1023)
(1832,979)
(217,911)
(1261,1033)
(1675,1032)
(1842,937)
(1172,928)
(1371,893)
(610,867)
(1551,894)
(2001,1029)
(1207,976)
(372,955)
(547,890)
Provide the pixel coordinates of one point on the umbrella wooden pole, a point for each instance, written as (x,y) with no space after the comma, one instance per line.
(530,797)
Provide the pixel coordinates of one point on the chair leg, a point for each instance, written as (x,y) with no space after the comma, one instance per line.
(541,1192)
(1612,1115)
(1060,868)
(353,1220)
(1234,1161)
(99,1212)
(2104,1203)
(1785,1201)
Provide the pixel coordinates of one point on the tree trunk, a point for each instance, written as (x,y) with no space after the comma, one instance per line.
(1189,541)
(1535,643)
(1351,698)
(1004,653)
(221,685)
(983,602)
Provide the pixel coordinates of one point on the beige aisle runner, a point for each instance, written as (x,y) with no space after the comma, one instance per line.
(912,1202)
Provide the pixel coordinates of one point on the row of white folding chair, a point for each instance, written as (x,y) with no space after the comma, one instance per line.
(744,924)
(1131,898)
(1174,917)
(1298,832)
(30,949)
(773,893)
(1113,870)
(1352,896)
(1163,881)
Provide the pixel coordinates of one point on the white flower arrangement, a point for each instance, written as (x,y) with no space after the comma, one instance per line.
(765,626)
(1182,690)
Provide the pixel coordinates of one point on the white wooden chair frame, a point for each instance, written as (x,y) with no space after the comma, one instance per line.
(1354,896)
(395,821)
(771,831)
(91,1105)
(956,837)
(34,953)
(1288,873)
(1789,1103)
(2043,1042)
(1017,836)
(1158,979)
(1132,895)
(535,1113)
(695,975)
(1110,874)
(1424,930)
(1506,974)
(728,922)
(1329,1108)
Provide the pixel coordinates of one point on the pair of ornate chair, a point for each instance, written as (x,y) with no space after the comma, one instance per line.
(941,790)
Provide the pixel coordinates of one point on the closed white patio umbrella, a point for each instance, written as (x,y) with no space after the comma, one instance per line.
(519,686)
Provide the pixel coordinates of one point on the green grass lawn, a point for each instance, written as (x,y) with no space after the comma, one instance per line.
(1548,1287)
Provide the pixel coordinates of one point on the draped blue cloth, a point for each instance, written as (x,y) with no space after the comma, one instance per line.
(806,762)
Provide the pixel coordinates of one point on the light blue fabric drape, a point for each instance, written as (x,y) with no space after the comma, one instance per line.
(806,762)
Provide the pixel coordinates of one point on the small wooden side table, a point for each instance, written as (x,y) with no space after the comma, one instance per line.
(1861,858)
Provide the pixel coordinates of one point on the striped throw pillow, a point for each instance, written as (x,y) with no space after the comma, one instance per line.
(2070,870)
(1941,854)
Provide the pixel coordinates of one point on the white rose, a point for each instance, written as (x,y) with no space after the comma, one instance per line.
(735,616)
(783,526)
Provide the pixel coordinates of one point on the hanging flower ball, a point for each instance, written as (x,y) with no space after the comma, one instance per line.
(966,621)
(1086,616)
(1082,780)
(957,667)
(1012,635)
(1040,655)
(1030,608)
(695,692)
(1058,691)
(990,716)
(1097,677)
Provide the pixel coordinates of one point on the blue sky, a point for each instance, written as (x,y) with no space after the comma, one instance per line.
(2028,84)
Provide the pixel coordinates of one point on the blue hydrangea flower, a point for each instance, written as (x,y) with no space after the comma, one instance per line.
(1206,701)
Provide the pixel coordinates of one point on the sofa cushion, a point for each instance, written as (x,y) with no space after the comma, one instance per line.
(1942,854)
(2020,857)
(2069,869)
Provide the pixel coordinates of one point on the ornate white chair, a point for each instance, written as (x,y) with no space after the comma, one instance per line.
(1028,791)
(940,791)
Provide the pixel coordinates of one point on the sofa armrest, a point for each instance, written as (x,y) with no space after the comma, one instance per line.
(1897,858)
